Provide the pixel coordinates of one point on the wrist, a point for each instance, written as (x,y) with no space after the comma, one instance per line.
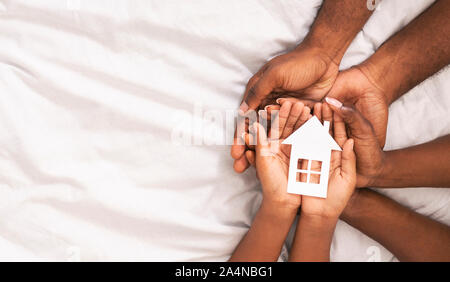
(330,54)
(352,205)
(385,172)
(336,25)
(313,238)
(358,205)
(378,169)
(377,70)
(318,224)
(277,211)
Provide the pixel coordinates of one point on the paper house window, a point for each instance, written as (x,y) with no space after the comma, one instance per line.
(309,171)
(309,164)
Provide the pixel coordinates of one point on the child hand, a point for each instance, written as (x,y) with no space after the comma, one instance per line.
(272,157)
(342,179)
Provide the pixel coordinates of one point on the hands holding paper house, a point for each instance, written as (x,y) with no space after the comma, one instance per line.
(328,139)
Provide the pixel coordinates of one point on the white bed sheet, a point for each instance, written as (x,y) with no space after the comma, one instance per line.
(91,90)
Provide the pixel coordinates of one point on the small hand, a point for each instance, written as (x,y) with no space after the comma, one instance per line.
(272,157)
(342,178)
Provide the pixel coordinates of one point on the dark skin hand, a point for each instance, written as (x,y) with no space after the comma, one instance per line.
(310,70)
(405,60)
(353,87)
(312,67)
(425,165)
(409,57)
(369,156)
(405,233)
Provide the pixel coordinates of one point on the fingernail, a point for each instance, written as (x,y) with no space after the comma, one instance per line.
(243,107)
(278,101)
(266,107)
(333,102)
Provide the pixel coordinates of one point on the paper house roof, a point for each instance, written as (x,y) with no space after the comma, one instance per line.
(313,134)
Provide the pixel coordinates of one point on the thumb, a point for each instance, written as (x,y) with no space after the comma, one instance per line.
(358,125)
(348,160)
(258,92)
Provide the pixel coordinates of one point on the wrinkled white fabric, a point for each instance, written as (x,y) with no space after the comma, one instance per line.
(91,92)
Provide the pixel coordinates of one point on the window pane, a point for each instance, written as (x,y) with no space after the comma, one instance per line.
(302,177)
(302,164)
(316,166)
(314,178)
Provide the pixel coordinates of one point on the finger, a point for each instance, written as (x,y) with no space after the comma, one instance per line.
(280,120)
(252,81)
(295,113)
(359,127)
(348,160)
(335,160)
(304,117)
(238,147)
(318,111)
(272,111)
(262,146)
(327,115)
(340,133)
(237,150)
(307,102)
(251,157)
(240,165)
(286,149)
(249,141)
(272,114)
(259,91)
(263,119)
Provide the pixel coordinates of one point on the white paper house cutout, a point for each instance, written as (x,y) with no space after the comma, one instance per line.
(311,142)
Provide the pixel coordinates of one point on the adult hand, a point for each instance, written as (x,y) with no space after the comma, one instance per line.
(369,156)
(354,87)
(307,72)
